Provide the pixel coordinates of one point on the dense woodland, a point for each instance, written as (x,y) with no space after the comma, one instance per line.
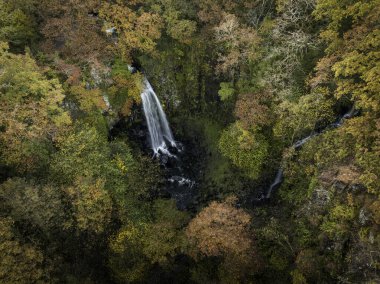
(83,201)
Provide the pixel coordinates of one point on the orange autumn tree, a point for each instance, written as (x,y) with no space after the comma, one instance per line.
(72,29)
(253,110)
(138,30)
(222,230)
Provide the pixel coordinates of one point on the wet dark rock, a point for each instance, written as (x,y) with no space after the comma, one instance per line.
(163,159)
(141,133)
(173,150)
(356,188)
(339,185)
(364,216)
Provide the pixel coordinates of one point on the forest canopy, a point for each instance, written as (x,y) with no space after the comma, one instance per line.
(268,169)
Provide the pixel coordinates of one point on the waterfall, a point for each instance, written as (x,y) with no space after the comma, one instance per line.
(298,144)
(277,182)
(351,113)
(161,137)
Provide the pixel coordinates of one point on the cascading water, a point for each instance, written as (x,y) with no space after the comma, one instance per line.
(161,137)
(277,182)
(178,185)
(297,145)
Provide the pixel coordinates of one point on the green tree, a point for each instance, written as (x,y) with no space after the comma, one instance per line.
(297,120)
(180,29)
(126,88)
(41,208)
(18,26)
(20,262)
(91,205)
(82,152)
(226,91)
(247,150)
(141,244)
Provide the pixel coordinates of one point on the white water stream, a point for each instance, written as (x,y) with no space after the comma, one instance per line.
(298,144)
(161,137)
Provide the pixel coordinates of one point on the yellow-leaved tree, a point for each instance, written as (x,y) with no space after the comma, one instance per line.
(30,111)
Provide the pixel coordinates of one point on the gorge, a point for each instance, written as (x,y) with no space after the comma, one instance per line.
(189,141)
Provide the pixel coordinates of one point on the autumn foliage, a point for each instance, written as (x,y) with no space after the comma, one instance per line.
(251,89)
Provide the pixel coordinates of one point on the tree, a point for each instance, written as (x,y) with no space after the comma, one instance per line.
(291,48)
(20,262)
(246,150)
(179,29)
(71,28)
(221,230)
(226,91)
(40,208)
(18,26)
(156,240)
(209,11)
(297,120)
(308,263)
(85,153)
(137,30)
(91,205)
(89,100)
(82,152)
(30,112)
(352,38)
(126,88)
(253,110)
(236,44)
